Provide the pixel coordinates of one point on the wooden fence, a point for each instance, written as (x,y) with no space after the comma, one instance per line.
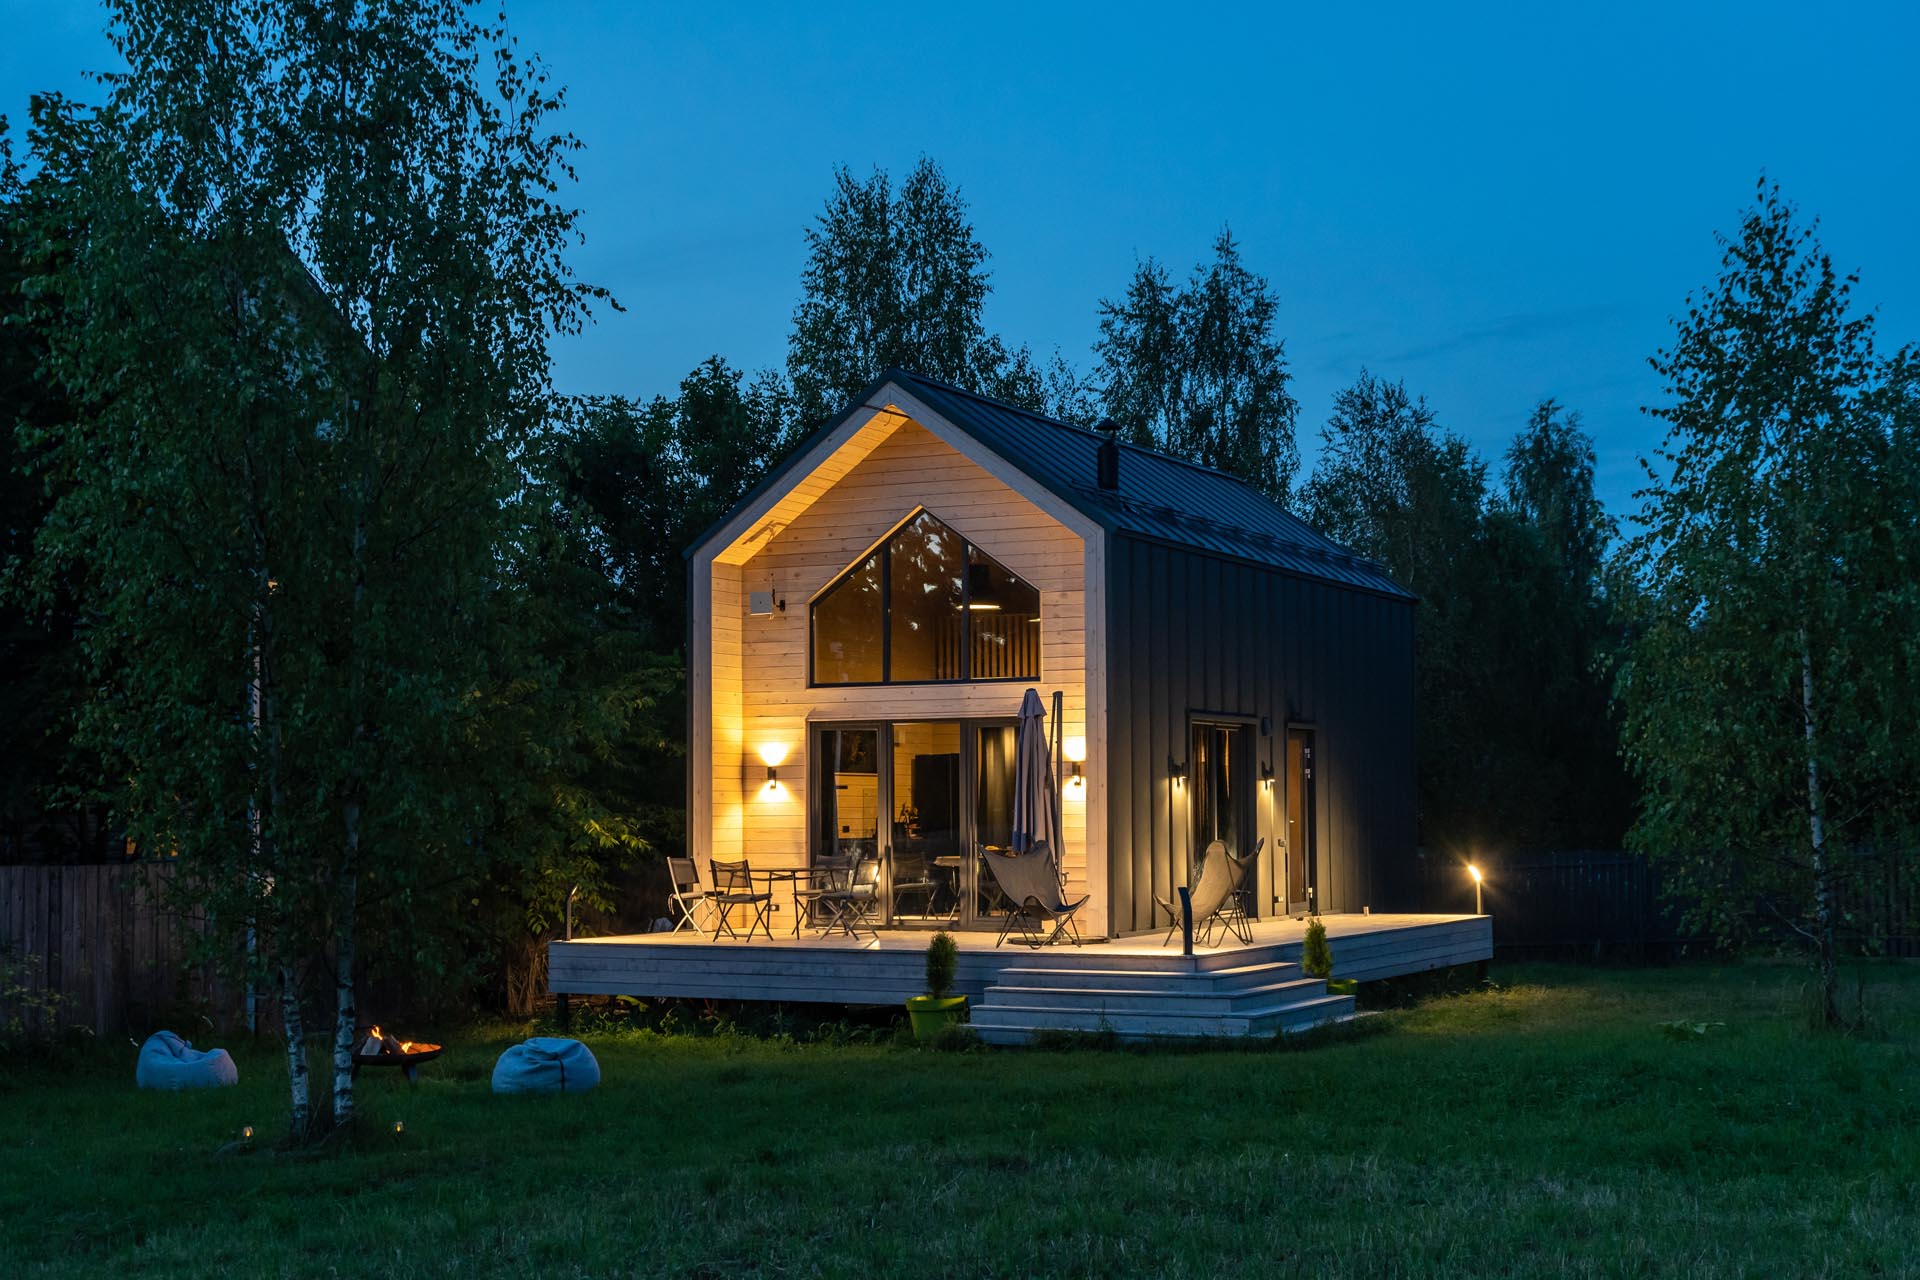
(94,946)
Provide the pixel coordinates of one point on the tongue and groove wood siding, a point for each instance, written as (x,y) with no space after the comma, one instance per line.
(760,693)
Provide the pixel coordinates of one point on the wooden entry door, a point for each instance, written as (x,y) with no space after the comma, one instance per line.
(1302,838)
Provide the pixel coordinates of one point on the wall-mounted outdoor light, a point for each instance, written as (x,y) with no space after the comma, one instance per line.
(1266,775)
(1177,770)
(773,755)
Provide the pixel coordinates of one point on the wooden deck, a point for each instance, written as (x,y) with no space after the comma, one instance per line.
(888,970)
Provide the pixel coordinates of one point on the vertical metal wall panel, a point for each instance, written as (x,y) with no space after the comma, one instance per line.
(1191,633)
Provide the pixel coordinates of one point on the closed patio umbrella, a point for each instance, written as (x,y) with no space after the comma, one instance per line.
(1035,812)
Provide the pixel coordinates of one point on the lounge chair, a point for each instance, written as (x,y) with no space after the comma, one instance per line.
(733,887)
(1218,882)
(1031,883)
(1233,913)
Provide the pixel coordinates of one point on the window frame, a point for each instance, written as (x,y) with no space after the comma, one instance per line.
(879,548)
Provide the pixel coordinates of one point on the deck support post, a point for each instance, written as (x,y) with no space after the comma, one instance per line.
(1186,920)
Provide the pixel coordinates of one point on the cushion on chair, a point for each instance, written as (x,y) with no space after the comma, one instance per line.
(546,1064)
(168,1062)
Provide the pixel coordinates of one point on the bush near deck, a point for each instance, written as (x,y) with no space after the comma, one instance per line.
(1558,1123)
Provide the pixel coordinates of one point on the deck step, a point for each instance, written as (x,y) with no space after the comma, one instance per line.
(1237,978)
(1015,1024)
(1153,999)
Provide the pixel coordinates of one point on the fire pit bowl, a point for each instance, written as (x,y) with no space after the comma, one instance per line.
(374,1048)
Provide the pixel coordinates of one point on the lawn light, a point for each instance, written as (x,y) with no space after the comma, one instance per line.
(1474,871)
(246,1133)
(399,1126)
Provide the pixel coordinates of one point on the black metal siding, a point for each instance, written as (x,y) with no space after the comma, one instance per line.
(1188,633)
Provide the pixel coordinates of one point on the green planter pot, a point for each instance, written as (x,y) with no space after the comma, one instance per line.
(930,1013)
(1342,986)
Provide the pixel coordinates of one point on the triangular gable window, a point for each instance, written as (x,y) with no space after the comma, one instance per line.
(925,605)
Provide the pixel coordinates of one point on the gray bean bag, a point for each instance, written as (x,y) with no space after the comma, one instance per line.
(546,1064)
(168,1062)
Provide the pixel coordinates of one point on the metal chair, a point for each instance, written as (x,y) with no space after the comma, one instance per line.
(829,875)
(852,908)
(911,877)
(687,894)
(733,887)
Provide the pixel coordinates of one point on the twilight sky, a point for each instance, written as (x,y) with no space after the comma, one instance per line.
(1495,206)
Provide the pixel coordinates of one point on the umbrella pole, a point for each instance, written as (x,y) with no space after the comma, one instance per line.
(1056,752)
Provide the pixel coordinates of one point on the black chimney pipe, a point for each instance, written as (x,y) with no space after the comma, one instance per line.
(1108,465)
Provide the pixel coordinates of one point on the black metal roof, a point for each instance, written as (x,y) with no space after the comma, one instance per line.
(1162,498)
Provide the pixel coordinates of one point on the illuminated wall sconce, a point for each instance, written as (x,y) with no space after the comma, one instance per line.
(1266,775)
(1177,770)
(773,755)
(1075,751)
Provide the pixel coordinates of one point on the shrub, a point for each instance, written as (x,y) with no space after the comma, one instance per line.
(1316,957)
(943,957)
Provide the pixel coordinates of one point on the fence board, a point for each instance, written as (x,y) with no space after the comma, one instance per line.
(100,939)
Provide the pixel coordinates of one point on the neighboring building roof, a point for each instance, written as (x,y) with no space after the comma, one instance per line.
(1160,497)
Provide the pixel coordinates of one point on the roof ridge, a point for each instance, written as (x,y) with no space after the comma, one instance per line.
(1092,432)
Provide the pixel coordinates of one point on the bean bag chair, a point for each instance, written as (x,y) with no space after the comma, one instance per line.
(546,1064)
(168,1062)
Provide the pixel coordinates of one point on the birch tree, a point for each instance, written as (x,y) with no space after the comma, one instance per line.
(1766,693)
(300,266)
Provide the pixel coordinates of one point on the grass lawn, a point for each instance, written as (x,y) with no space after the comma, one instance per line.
(1546,1127)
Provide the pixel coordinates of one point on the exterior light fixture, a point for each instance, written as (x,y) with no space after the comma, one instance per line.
(399,1126)
(1177,770)
(246,1133)
(1266,775)
(773,755)
(1474,871)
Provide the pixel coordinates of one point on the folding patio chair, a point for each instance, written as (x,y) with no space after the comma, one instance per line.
(1213,886)
(1031,883)
(686,894)
(852,908)
(1233,913)
(829,875)
(733,887)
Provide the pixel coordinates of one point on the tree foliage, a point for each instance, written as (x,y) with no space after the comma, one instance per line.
(897,278)
(1769,688)
(299,269)
(1198,372)
(1515,748)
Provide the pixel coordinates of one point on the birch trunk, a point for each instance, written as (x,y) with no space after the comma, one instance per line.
(346,1018)
(298,1080)
(1823,887)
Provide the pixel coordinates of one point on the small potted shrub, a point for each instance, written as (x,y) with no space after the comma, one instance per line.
(937,1009)
(1316,957)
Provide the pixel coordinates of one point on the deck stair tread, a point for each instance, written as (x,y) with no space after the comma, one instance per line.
(1258,995)
(1015,1023)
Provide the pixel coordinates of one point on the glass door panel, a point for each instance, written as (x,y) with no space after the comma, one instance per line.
(926,837)
(1300,820)
(992,817)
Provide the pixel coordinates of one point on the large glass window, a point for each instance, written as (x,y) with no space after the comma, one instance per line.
(926,606)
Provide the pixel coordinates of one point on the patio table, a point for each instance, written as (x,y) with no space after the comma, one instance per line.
(793,878)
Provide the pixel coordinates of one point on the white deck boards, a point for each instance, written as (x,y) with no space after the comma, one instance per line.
(838,971)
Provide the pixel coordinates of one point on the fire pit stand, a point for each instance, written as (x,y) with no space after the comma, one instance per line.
(392,1052)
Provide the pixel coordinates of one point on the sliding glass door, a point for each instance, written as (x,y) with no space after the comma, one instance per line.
(926,805)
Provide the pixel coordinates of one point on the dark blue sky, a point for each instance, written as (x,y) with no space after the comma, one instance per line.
(1496,207)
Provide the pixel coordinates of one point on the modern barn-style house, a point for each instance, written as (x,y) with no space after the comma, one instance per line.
(865,626)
